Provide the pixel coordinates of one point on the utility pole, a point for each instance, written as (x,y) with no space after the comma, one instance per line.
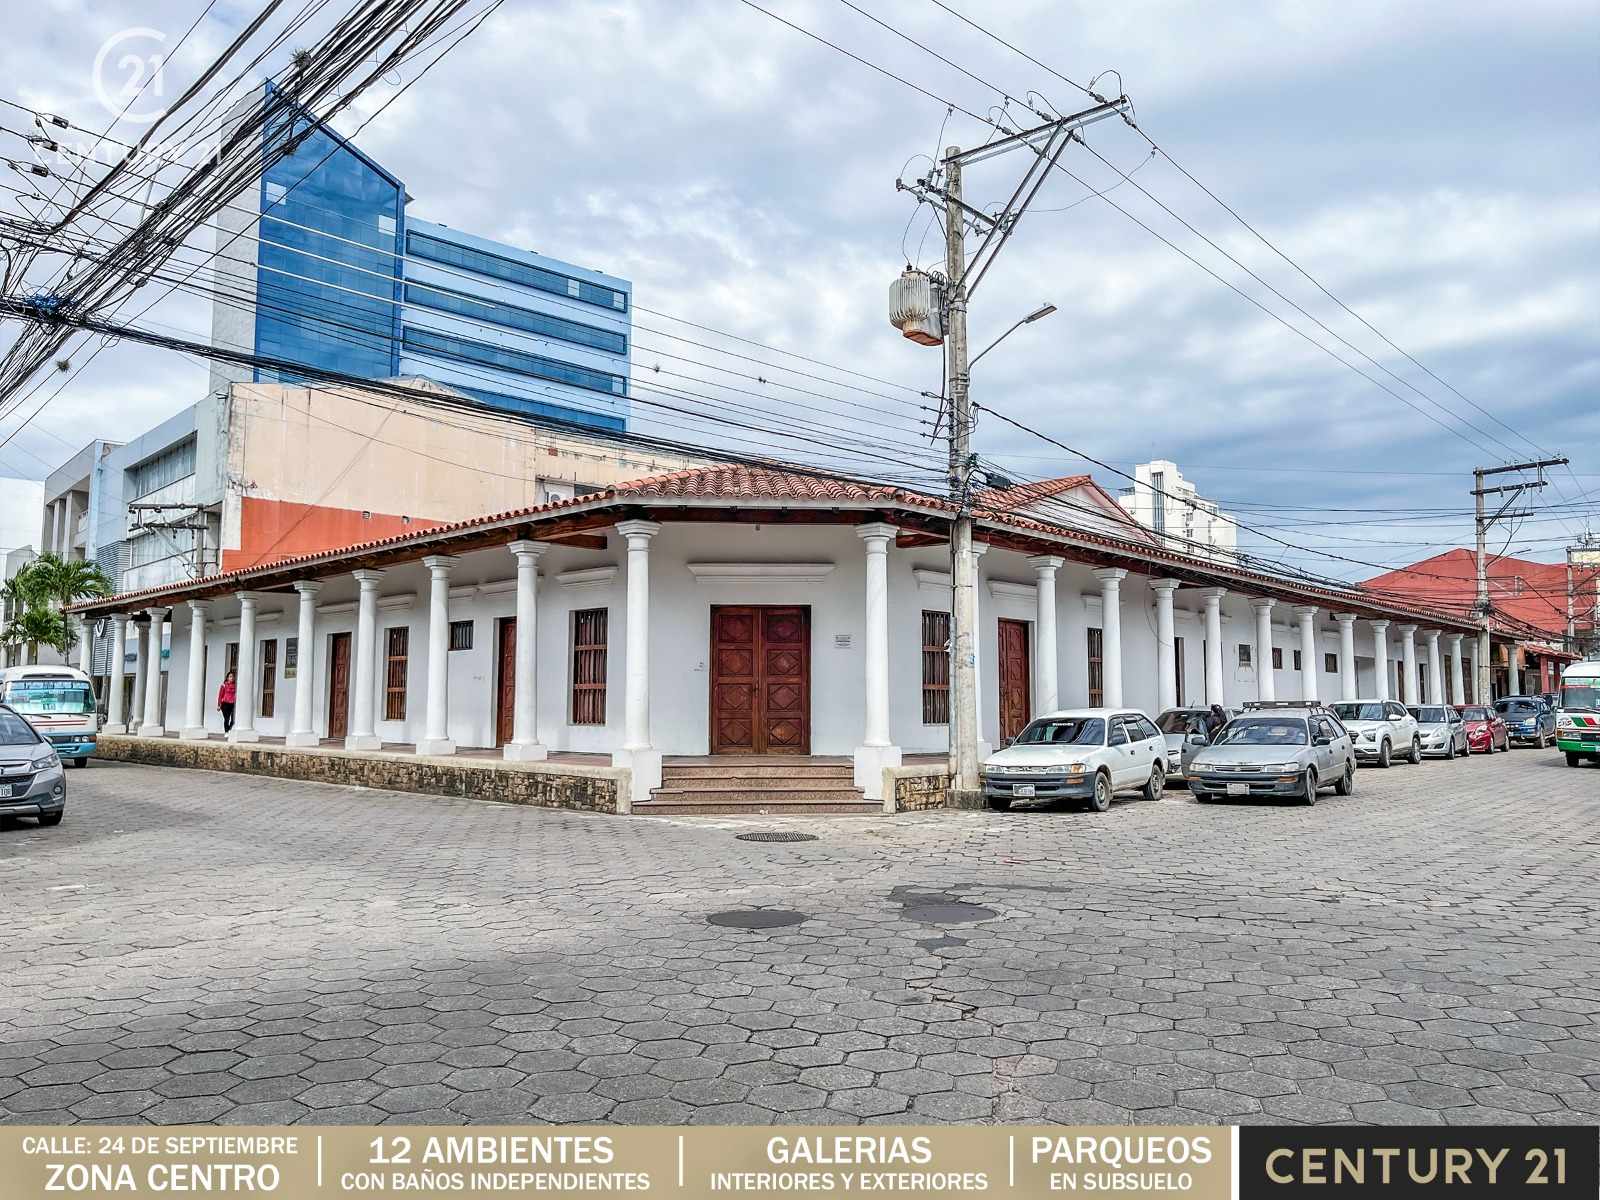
(1046,142)
(963,567)
(1482,522)
(1588,548)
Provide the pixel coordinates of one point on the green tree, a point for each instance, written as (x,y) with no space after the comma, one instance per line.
(36,626)
(63,581)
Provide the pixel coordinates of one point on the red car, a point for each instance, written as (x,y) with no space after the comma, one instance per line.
(1486,729)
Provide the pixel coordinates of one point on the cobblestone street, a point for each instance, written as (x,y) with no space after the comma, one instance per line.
(195,947)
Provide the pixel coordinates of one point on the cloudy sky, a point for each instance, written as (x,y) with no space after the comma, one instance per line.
(1434,165)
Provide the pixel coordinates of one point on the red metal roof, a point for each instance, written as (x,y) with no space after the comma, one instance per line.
(1530,595)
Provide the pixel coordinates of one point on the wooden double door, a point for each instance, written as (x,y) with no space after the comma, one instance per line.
(760,679)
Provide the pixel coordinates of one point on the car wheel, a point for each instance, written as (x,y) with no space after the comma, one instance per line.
(80,763)
(1415,756)
(1156,786)
(1544,741)
(1000,803)
(48,819)
(1347,782)
(1384,758)
(1450,750)
(1101,800)
(1308,788)
(1573,759)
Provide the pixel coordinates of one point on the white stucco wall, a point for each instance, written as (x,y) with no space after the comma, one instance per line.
(482,590)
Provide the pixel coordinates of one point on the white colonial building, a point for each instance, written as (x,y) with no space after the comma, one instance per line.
(742,611)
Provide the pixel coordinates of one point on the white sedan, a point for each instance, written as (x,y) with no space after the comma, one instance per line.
(1079,754)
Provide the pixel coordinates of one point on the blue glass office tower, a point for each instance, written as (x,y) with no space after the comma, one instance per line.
(337,277)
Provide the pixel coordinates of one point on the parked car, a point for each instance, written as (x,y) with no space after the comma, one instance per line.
(1079,754)
(1486,730)
(1382,730)
(1529,720)
(1187,731)
(1278,752)
(32,782)
(1444,733)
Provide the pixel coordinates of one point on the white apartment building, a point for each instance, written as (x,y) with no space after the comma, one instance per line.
(1163,501)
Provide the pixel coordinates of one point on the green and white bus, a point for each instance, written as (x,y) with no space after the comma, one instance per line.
(1578,713)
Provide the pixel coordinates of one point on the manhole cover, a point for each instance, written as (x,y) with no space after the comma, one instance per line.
(775,835)
(953,912)
(756,918)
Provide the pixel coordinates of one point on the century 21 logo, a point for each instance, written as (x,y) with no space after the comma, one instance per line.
(128,74)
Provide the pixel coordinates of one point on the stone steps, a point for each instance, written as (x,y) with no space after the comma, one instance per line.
(754,785)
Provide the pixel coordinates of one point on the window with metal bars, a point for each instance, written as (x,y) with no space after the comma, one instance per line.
(589,666)
(1097,668)
(269,677)
(231,656)
(1330,663)
(935,668)
(461,635)
(1177,667)
(396,644)
(1277,658)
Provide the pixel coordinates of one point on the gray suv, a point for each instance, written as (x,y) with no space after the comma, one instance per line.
(1290,752)
(32,783)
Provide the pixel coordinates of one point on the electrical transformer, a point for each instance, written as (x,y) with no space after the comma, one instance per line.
(916,307)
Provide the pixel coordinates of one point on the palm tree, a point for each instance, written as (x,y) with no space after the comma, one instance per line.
(55,580)
(36,625)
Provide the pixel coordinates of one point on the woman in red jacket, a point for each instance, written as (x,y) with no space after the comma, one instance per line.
(227,695)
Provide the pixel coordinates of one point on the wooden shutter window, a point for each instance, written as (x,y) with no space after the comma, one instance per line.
(269,677)
(232,658)
(589,666)
(935,668)
(394,678)
(1097,669)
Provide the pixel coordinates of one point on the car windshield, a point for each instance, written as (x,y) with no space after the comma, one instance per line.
(1582,697)
(1176,720)
(1520,707)
(14,731)
(1064,731)
(1263,732)
(1353,711)
(1429,715)
(1475,714)
(50,697)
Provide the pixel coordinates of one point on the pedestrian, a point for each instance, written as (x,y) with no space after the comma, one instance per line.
(227,696)
(1219,718)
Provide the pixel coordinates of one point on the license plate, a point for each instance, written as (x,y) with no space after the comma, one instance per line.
(7,790)
(1023,789)
(1238,789)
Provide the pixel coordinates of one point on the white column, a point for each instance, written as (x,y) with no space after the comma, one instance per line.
(1457,692)
(1348,687)
(59,541)
(1308,651)
(985,746)
(363,729)
(244,679)
(1111,633)
(637,754)
(86,645)
(303,730)
(194,708)
(877,750)
(524,745)
(1435,668)
(1213,607)
(1380,657)
(1166,645)
(116,719)
(436,734)
(141,665)
(1408,661)
(1513,670)
(1266,683)
(1046,687)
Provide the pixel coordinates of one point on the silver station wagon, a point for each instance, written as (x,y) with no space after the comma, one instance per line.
(1290,752)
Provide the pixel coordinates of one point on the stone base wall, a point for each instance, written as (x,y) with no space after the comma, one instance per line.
(543,785)
(918,789)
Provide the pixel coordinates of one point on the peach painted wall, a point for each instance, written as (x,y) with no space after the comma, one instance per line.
(272,530)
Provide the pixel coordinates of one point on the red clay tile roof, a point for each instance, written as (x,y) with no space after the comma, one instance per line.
(738,482)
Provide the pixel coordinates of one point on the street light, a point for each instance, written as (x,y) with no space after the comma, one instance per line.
(1038,314)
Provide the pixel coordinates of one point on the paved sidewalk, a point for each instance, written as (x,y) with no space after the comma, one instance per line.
(199,947)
